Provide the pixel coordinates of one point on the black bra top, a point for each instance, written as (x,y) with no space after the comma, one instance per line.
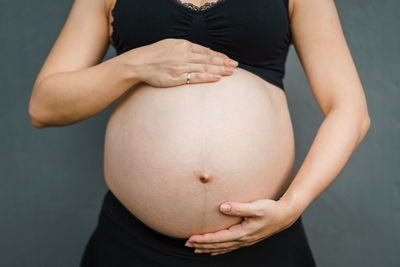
(256,33)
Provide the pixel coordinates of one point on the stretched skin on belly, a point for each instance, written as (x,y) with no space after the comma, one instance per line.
(173,155)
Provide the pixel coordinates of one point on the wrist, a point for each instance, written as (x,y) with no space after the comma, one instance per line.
(130,70)
(295,201)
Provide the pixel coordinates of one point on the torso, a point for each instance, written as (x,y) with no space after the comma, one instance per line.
(173,155)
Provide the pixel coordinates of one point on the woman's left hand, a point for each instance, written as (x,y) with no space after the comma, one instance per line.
(262,218)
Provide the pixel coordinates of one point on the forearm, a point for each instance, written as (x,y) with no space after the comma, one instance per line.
(337,138)
(68,97)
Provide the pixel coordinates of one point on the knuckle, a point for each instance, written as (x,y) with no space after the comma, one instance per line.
(185,54)
(260,211)
(186,44)
(211,74)
(223,56)
(225,61)
(182,41)
(171,41)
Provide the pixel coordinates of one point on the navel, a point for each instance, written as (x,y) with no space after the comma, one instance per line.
(204,178)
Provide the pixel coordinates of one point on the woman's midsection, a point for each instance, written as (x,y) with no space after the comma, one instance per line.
(173,155)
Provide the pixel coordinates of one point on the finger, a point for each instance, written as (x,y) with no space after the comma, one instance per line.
(211,59)
(221,245)
(250,240)
(233,233)
(214,250)
(200,250)
(209,68)
(243,209)
(200,77)
(222,249)
(196,48)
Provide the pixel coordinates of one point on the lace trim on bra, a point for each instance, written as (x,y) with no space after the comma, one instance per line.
(205,6)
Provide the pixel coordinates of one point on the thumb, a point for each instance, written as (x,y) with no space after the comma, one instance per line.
(240,209)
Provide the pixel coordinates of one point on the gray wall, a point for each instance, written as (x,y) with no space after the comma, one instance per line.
(52,178)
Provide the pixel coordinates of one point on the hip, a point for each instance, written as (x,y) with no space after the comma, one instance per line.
(121,239)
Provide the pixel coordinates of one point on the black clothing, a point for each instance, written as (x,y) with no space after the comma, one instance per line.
(253,32)
(122,240)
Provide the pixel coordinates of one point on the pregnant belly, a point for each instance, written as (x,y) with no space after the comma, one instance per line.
(173,155)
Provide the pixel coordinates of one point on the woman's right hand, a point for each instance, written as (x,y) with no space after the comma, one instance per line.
(166,63)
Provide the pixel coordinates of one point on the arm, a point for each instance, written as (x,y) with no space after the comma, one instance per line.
(333,78)
(72,86)
(332,75)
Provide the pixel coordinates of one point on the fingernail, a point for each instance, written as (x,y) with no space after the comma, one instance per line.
(188,244)
(225,207)
(233,63)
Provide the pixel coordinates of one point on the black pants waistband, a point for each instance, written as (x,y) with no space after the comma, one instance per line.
(113,207)
(131,234)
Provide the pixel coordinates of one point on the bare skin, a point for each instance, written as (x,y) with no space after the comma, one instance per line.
(213,140)
(173,155)
(174,152)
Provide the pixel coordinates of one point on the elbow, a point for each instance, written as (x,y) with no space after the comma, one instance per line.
(38,125)
(366,123)
(34,112)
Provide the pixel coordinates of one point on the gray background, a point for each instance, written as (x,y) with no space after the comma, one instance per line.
(52,178)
